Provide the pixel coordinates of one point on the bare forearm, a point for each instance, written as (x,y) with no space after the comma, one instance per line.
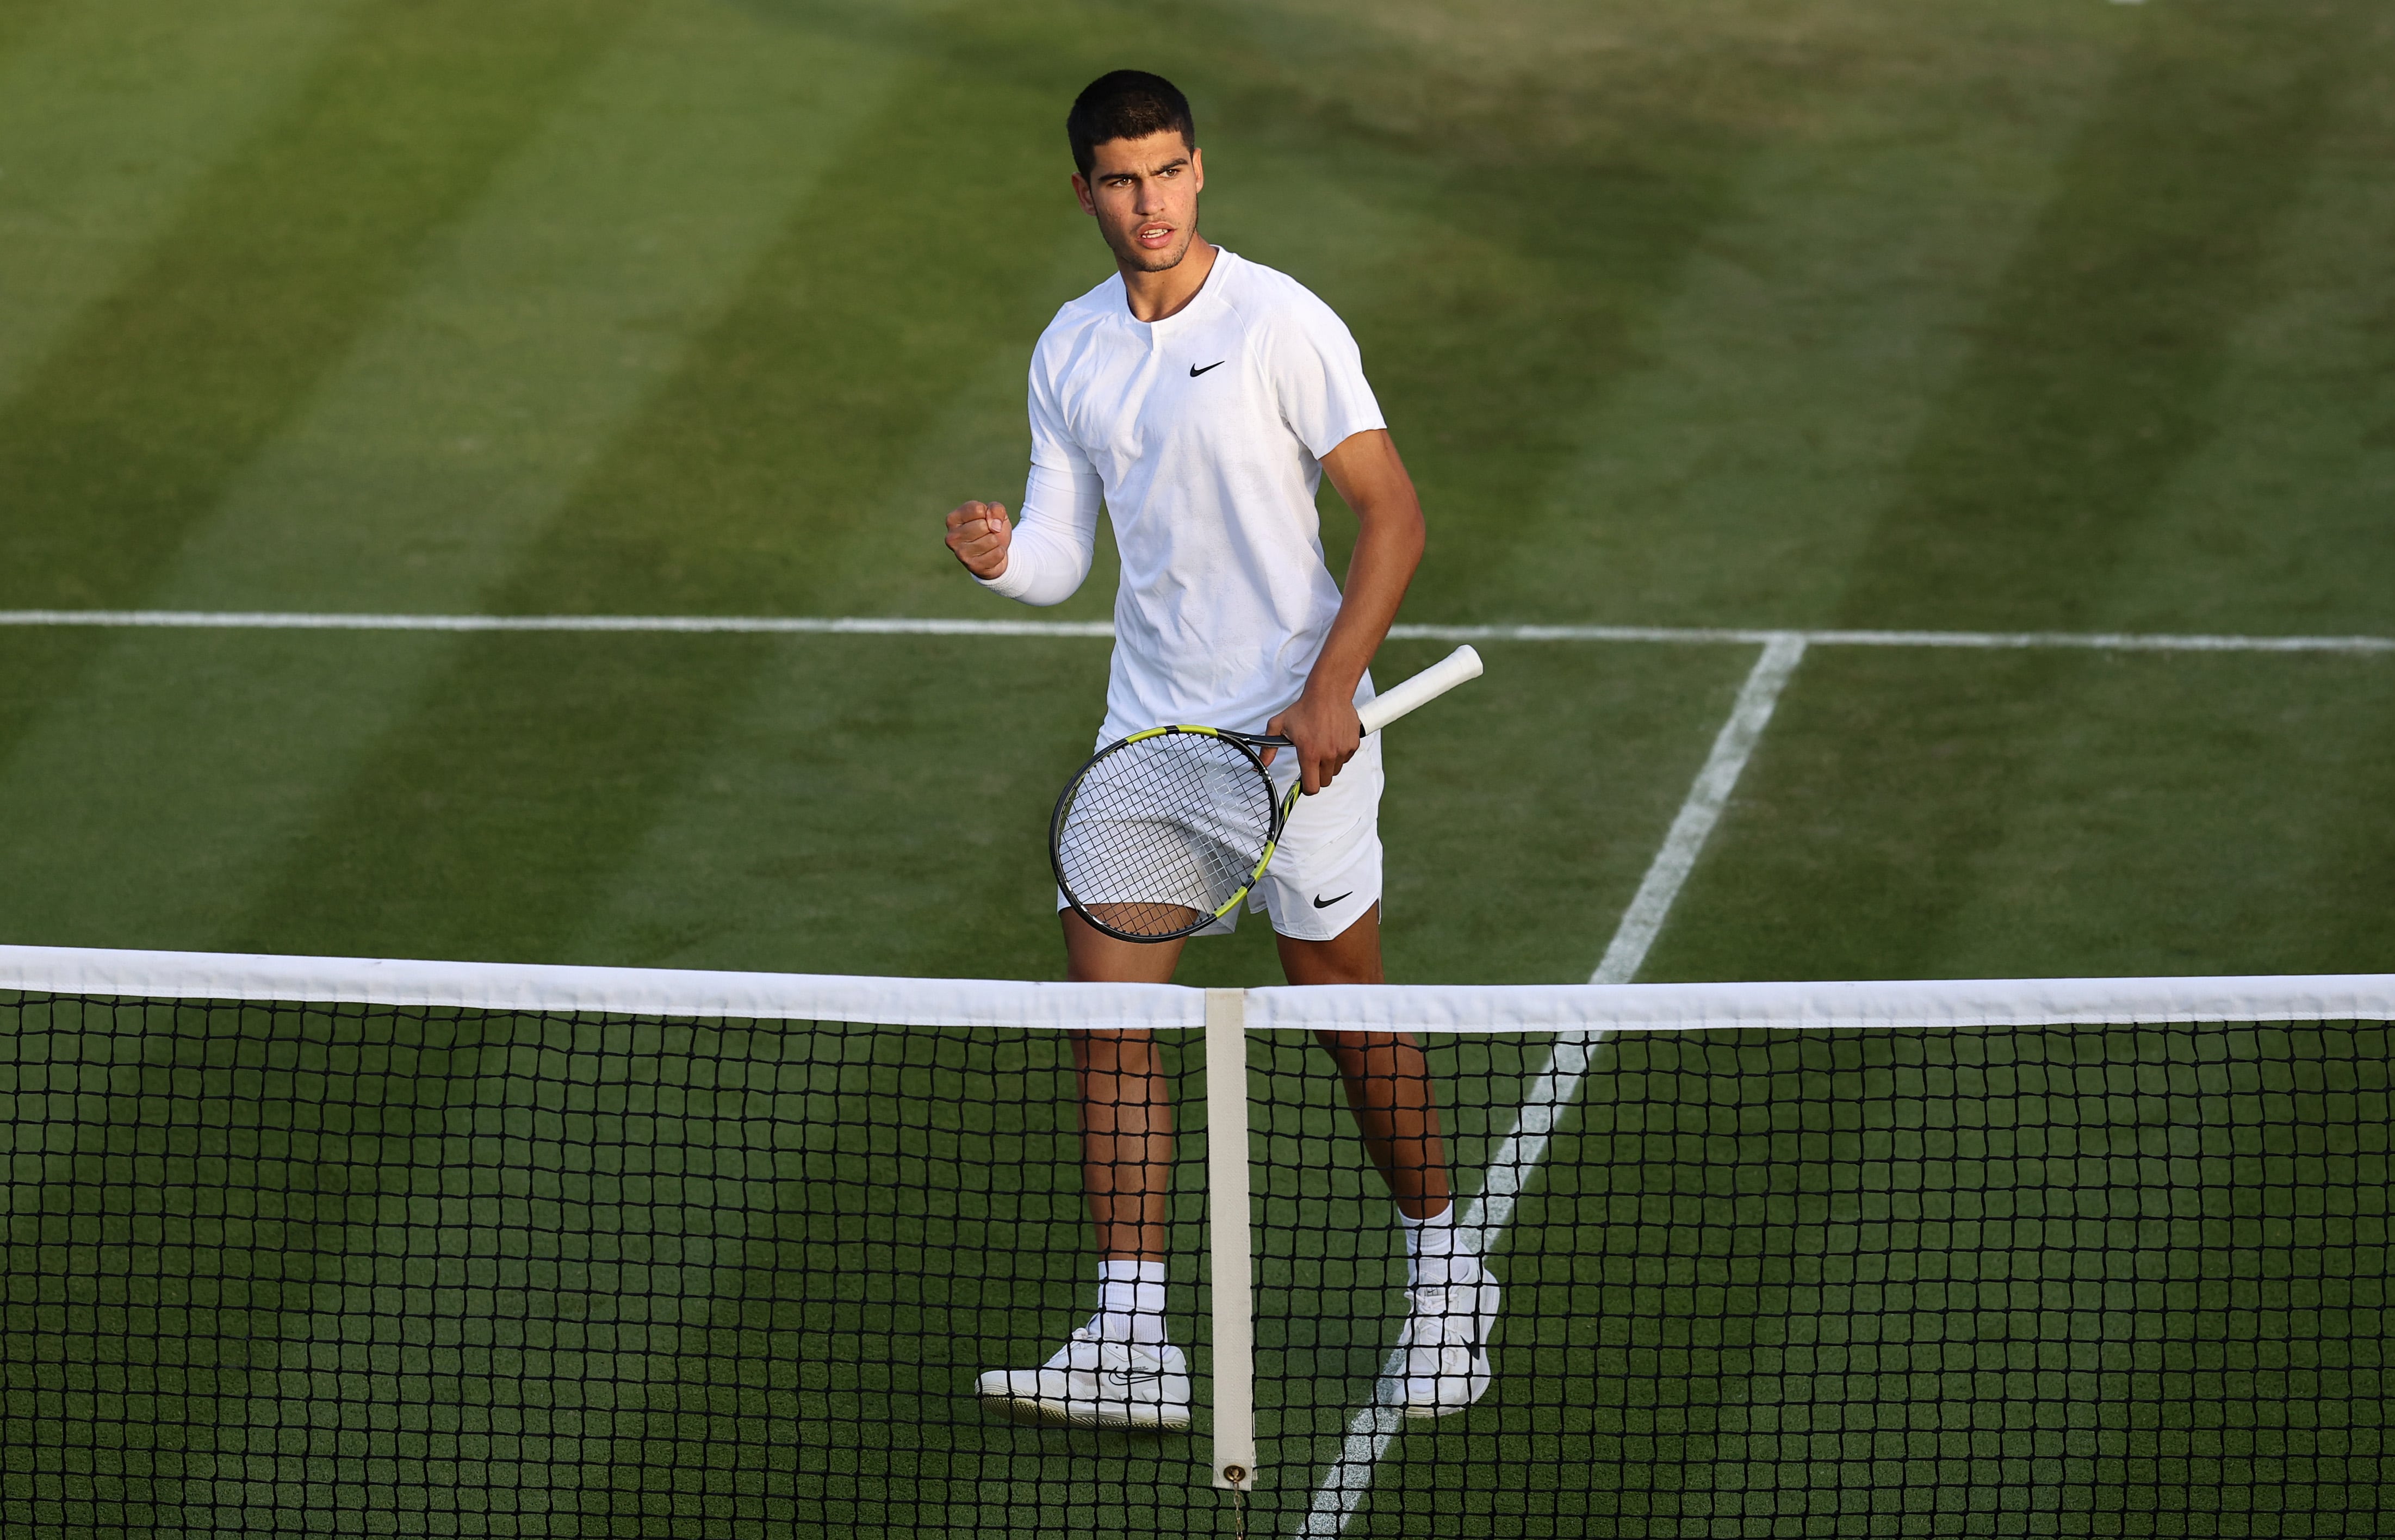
(1388,550)
(1389,538)
(1322,724)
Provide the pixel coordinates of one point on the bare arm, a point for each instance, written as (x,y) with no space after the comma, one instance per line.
(1322,725)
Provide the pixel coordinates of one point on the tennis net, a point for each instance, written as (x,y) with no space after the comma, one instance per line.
(313,1246)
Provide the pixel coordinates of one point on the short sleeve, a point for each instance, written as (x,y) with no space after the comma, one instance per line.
(1052,446)
(1318,373)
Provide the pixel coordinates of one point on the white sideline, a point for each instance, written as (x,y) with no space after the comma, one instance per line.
(1556,1085)
(269,619)
(1694,824)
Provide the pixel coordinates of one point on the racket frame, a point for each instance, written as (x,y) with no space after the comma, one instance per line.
(1248,744)
(1458,667)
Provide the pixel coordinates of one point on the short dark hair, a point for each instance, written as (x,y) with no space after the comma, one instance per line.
(1126,104)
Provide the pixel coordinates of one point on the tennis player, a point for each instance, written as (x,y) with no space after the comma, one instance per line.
(1199,398)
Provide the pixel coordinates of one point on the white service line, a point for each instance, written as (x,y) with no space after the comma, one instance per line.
(269,619)
(901,625)
(1556,1084)
(2102,641)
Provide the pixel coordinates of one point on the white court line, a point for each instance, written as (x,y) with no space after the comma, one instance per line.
(269,620)
(266,619)
(1703,809)
(2110,641)
(1556,1084)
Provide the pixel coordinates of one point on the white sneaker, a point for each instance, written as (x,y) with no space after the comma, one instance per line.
(1096,1383)
(1443,1353)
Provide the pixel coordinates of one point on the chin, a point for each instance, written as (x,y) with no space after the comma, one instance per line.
(1156,261)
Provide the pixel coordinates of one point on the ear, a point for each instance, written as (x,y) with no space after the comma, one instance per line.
(1081,190)
(1198,167)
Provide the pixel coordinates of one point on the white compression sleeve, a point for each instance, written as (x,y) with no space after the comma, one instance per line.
(1055,538)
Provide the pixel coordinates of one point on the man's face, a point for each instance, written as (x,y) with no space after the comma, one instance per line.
(1144,193)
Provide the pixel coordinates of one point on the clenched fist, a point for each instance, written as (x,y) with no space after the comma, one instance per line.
(979,534)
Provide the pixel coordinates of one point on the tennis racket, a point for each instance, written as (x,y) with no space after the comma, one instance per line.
(1163,833)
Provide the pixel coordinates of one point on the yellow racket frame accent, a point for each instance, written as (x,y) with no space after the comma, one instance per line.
(1272,843)
(1372,716)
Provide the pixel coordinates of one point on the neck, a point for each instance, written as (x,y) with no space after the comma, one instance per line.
(1154,296)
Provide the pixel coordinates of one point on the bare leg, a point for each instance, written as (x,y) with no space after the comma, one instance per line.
(1388,1084)
(1125,1104)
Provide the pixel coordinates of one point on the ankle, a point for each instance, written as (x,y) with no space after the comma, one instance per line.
(1438,1253)
(1131,1302)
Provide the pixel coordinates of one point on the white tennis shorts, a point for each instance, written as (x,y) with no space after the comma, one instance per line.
(1326,872)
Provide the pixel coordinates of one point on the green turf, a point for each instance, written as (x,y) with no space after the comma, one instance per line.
(2024,318)
(2040,313)
(112,112)
(2018,317)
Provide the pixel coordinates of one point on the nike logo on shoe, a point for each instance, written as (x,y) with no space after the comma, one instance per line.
(1324,904)
(1195,371)
(1129,1378)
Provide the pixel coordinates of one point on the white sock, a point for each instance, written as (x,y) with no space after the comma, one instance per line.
(1131,1302)
(1435,1254)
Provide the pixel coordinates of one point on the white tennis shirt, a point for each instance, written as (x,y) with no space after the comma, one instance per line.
(1204,432)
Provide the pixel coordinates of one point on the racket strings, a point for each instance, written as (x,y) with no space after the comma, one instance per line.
(1157,836)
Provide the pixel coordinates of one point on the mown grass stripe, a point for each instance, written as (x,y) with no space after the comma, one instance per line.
(1745,457)
(2042,468)
(2102,351)
(737,479)
(132,427)
(539,322)
(110,112)
(900,626)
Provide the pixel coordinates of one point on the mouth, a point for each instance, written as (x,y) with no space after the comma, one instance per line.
(1155,237)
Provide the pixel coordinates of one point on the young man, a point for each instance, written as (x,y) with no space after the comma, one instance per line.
(1200,398)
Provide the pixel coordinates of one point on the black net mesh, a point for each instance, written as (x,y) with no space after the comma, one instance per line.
(2052,1282)
(347,1270)
(364,1270)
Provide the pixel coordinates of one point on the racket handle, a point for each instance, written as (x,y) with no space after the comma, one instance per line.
(1428,686)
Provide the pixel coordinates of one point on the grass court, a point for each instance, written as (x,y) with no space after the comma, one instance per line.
(2032,316)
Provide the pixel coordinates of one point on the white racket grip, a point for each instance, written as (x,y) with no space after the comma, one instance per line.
(1428,686)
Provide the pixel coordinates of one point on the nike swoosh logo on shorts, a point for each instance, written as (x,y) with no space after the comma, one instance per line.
(1324,904)
(1195,371)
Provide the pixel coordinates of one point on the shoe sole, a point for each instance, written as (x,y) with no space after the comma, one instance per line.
(1414,1412)
(1053,1414)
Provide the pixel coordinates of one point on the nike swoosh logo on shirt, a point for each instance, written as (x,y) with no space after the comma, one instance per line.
(1324,904)
(1195,371)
